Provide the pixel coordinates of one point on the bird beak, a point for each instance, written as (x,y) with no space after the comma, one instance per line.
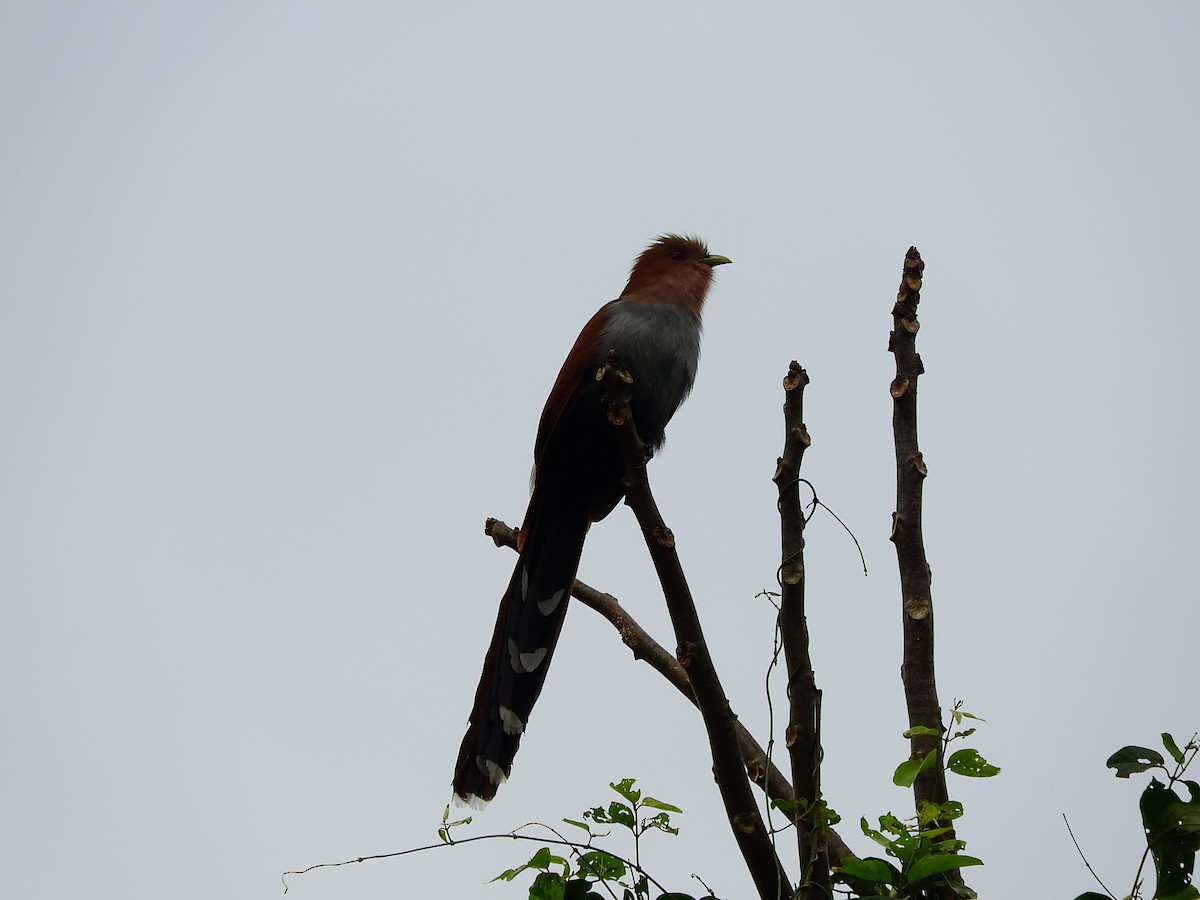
(714,260)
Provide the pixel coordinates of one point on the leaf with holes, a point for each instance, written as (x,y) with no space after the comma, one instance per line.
(1173,837)
(968,762)
(1131,760)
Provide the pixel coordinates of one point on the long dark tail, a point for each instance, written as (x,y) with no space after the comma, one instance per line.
(531,616)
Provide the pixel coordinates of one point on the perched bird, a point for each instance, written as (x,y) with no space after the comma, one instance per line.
(655,326)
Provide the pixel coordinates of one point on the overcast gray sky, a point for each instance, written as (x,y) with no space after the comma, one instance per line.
(285,285)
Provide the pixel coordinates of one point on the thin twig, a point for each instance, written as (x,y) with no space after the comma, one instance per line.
(511,835)
(1079,850)
(816,501)
(776,651)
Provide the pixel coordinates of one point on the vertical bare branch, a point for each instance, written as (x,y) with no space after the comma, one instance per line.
(804,721)
(917,670)
(746,822)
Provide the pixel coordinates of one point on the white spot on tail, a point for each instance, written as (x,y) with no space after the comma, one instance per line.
(524,662)
(512,722)
(472,800)
(492,770)
(532,660)
(548,606)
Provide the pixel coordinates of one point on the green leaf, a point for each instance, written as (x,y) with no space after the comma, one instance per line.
(892,824)
(1171,840)
(1172,747)
(1189,892)
(658,804)
(1131,760)
(582,825)
(827,816)
(953,845)
(968,762)
(930,833)
(579,889)
(662,822)
(929,811)
(873,834)
(788,807)
(872,870)
(924,730)
(937,863)
(907,772)
(958,715)
(951,809)
(620,814)
(625,787)
(616,814)
(602,865)
(547,886)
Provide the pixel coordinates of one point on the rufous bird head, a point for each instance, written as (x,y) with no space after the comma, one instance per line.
(676,269)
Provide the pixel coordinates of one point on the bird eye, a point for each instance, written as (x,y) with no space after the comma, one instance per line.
(678,254)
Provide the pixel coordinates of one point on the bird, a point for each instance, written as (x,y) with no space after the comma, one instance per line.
(654,324)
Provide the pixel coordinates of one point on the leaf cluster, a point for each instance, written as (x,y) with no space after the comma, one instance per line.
(589,869)
(1170,823)
(923,848)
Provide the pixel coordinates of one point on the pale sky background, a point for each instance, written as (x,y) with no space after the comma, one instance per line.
(285,286)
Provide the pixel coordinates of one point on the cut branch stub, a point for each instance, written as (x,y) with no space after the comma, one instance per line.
(918,463)
(747,822)
(617,413)
(795,378)
(683,653)
(917,607)
(617,400)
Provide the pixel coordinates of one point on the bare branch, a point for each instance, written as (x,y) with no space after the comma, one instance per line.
(804,725)
(649,651)
(917,670)
(746,822)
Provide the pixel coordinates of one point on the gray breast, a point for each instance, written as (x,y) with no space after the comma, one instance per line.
(660,345)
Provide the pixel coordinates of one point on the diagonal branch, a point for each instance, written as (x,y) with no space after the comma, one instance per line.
(646,648)
(804,724)
(917,671)
(746,822)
